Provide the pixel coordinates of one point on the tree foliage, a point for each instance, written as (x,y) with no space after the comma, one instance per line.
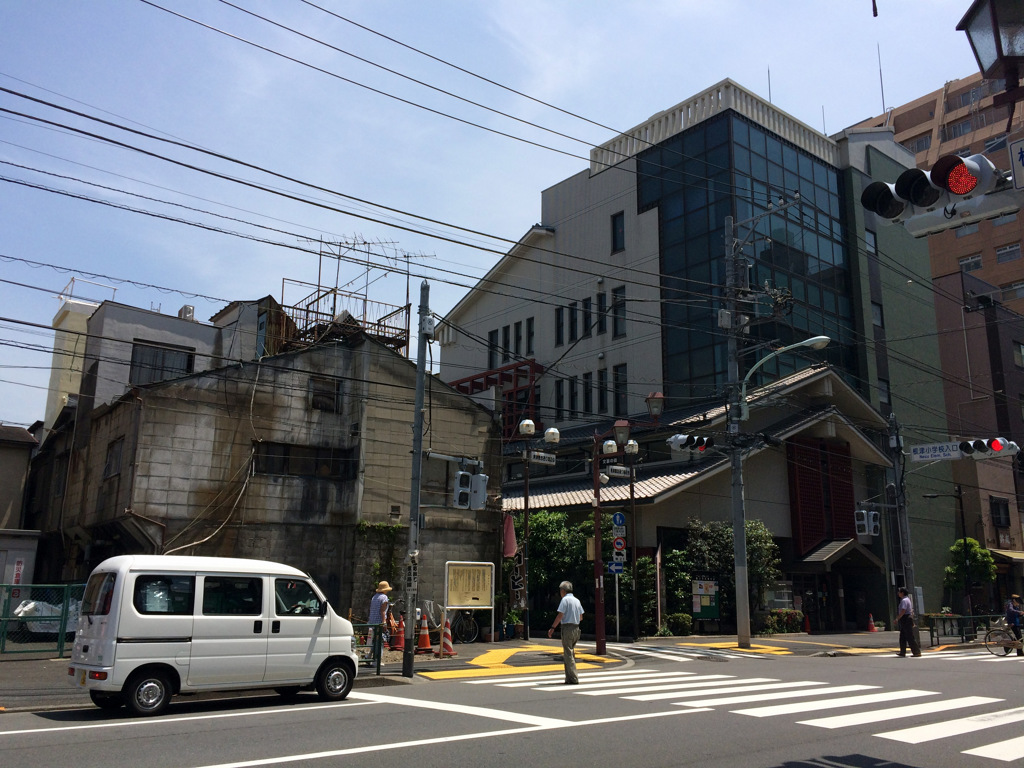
(979,565)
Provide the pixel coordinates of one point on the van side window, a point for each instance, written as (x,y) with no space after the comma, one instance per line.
(166,594)
(98,592)
(232,596)
(295,597)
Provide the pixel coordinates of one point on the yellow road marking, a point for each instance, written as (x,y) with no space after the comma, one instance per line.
(501,669)
(769,649)
(495,662)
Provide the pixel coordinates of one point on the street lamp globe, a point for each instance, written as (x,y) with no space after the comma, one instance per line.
(551,435)
(609,446)
(631,447)
(527,427)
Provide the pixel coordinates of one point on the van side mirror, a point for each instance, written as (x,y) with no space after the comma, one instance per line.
(323,608)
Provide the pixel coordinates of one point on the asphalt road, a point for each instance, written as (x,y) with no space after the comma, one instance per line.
(653,704)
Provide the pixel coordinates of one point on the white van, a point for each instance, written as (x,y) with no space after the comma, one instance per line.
(154,625)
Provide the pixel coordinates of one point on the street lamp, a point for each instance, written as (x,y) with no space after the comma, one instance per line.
(958,494)
(527,429)
(607,448)
(995,29)
(738,411)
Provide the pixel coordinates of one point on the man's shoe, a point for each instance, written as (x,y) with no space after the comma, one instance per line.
(572,682)
(917,655)
(902,655)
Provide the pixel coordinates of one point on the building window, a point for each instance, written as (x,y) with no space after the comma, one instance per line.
(1013,291)
(619,311)
(574,403)
(559,326)
(619,384)
(529,335)
(506,343)
(870,242)
(970,263)
(994,143)
(517,338)
(956,130)
(618,232)
(876,315)
(588,393)
(305,461)
(325,394)
(588,318)
(602,390)
(1018,355)
(966,229)
(559,401)
(602,312)
(112,465)
(919,143)
(1007,253)
(883,392)
(1006,218)
(151,363)
(492,349)
(573,322)
(1000,509)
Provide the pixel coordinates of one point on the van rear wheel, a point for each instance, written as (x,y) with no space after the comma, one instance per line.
(334,681)
(147,693)
(107,701)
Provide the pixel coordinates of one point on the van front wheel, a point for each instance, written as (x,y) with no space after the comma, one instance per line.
(334,680)
(147,693)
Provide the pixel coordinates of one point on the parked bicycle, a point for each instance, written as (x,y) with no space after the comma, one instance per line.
(1000,641)
(465,628)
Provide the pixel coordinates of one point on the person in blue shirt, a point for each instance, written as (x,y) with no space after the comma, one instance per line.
(1013,614)
(379,609)
(570,611)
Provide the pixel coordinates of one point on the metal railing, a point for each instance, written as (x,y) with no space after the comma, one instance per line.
(38,618)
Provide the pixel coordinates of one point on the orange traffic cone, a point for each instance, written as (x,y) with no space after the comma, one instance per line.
(871,623)
(445,648)
(423,641)
(398,637)
(807,624)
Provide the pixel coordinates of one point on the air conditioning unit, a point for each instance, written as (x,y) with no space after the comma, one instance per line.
(187,312)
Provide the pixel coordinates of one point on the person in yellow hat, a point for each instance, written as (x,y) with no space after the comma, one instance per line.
(379,605)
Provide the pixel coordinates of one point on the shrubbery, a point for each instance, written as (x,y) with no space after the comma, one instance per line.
(779,620)
(679,623)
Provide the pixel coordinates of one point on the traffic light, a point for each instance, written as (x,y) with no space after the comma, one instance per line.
(684,442)
(860,521)
(956,191)
(988,448)
(478,492)
(874,523)
(463,490)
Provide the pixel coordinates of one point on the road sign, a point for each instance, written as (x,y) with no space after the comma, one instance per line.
(1017,163)
(935,452)
(615,567)
(619,557)
(619,543)
(617,470)
(618,530)
(618,519)
(540,457)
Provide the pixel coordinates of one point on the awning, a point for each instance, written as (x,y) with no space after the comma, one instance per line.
(845,552)
(1008,555)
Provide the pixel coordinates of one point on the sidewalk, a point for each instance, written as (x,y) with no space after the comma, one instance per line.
(40,682)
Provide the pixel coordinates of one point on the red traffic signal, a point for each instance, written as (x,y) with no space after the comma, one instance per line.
(683,442)
(988,448)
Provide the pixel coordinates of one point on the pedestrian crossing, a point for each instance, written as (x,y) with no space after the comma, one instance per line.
(685,653)
(966,654)
(831,707)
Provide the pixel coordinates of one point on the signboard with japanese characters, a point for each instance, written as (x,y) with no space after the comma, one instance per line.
(935,452)
(705,596)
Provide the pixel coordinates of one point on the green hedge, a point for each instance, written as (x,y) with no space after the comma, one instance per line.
(779,621)
(679,623)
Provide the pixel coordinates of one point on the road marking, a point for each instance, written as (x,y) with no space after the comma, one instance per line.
(496,661)
(462,709)
(779,695)
(696,681)
(893,713)
(508,681)
(922,733)
(769,650)
(1011,749)
(733,688)
(302,758)
(847,701)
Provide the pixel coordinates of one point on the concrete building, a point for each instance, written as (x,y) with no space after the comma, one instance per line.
(617,292)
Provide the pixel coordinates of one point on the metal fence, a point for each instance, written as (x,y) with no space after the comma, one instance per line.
(38,618)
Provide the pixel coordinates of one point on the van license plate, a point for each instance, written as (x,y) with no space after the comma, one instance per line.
(81,677)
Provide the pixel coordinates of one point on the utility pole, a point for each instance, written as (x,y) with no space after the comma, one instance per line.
(737,324)
(426,332)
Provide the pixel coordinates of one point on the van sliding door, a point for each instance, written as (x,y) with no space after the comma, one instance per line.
(230,631)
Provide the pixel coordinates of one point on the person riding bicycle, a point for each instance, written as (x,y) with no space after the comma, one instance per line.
(1013,614)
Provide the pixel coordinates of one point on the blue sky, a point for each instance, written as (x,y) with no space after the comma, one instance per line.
(326,118)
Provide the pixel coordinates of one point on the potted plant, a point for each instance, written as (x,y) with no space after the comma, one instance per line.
(513,622)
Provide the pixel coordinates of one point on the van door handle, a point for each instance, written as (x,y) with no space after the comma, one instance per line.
(257,627)
(275,626)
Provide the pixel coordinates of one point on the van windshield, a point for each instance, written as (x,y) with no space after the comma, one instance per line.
(98,592)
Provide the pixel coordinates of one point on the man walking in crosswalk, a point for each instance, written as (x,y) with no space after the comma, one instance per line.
(905,622)
(570,611)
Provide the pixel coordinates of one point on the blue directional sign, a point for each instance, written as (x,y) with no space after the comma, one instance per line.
(615,567)
(618,519)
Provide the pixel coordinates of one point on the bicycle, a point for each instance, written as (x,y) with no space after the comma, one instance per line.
(999,641)
(464,627)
